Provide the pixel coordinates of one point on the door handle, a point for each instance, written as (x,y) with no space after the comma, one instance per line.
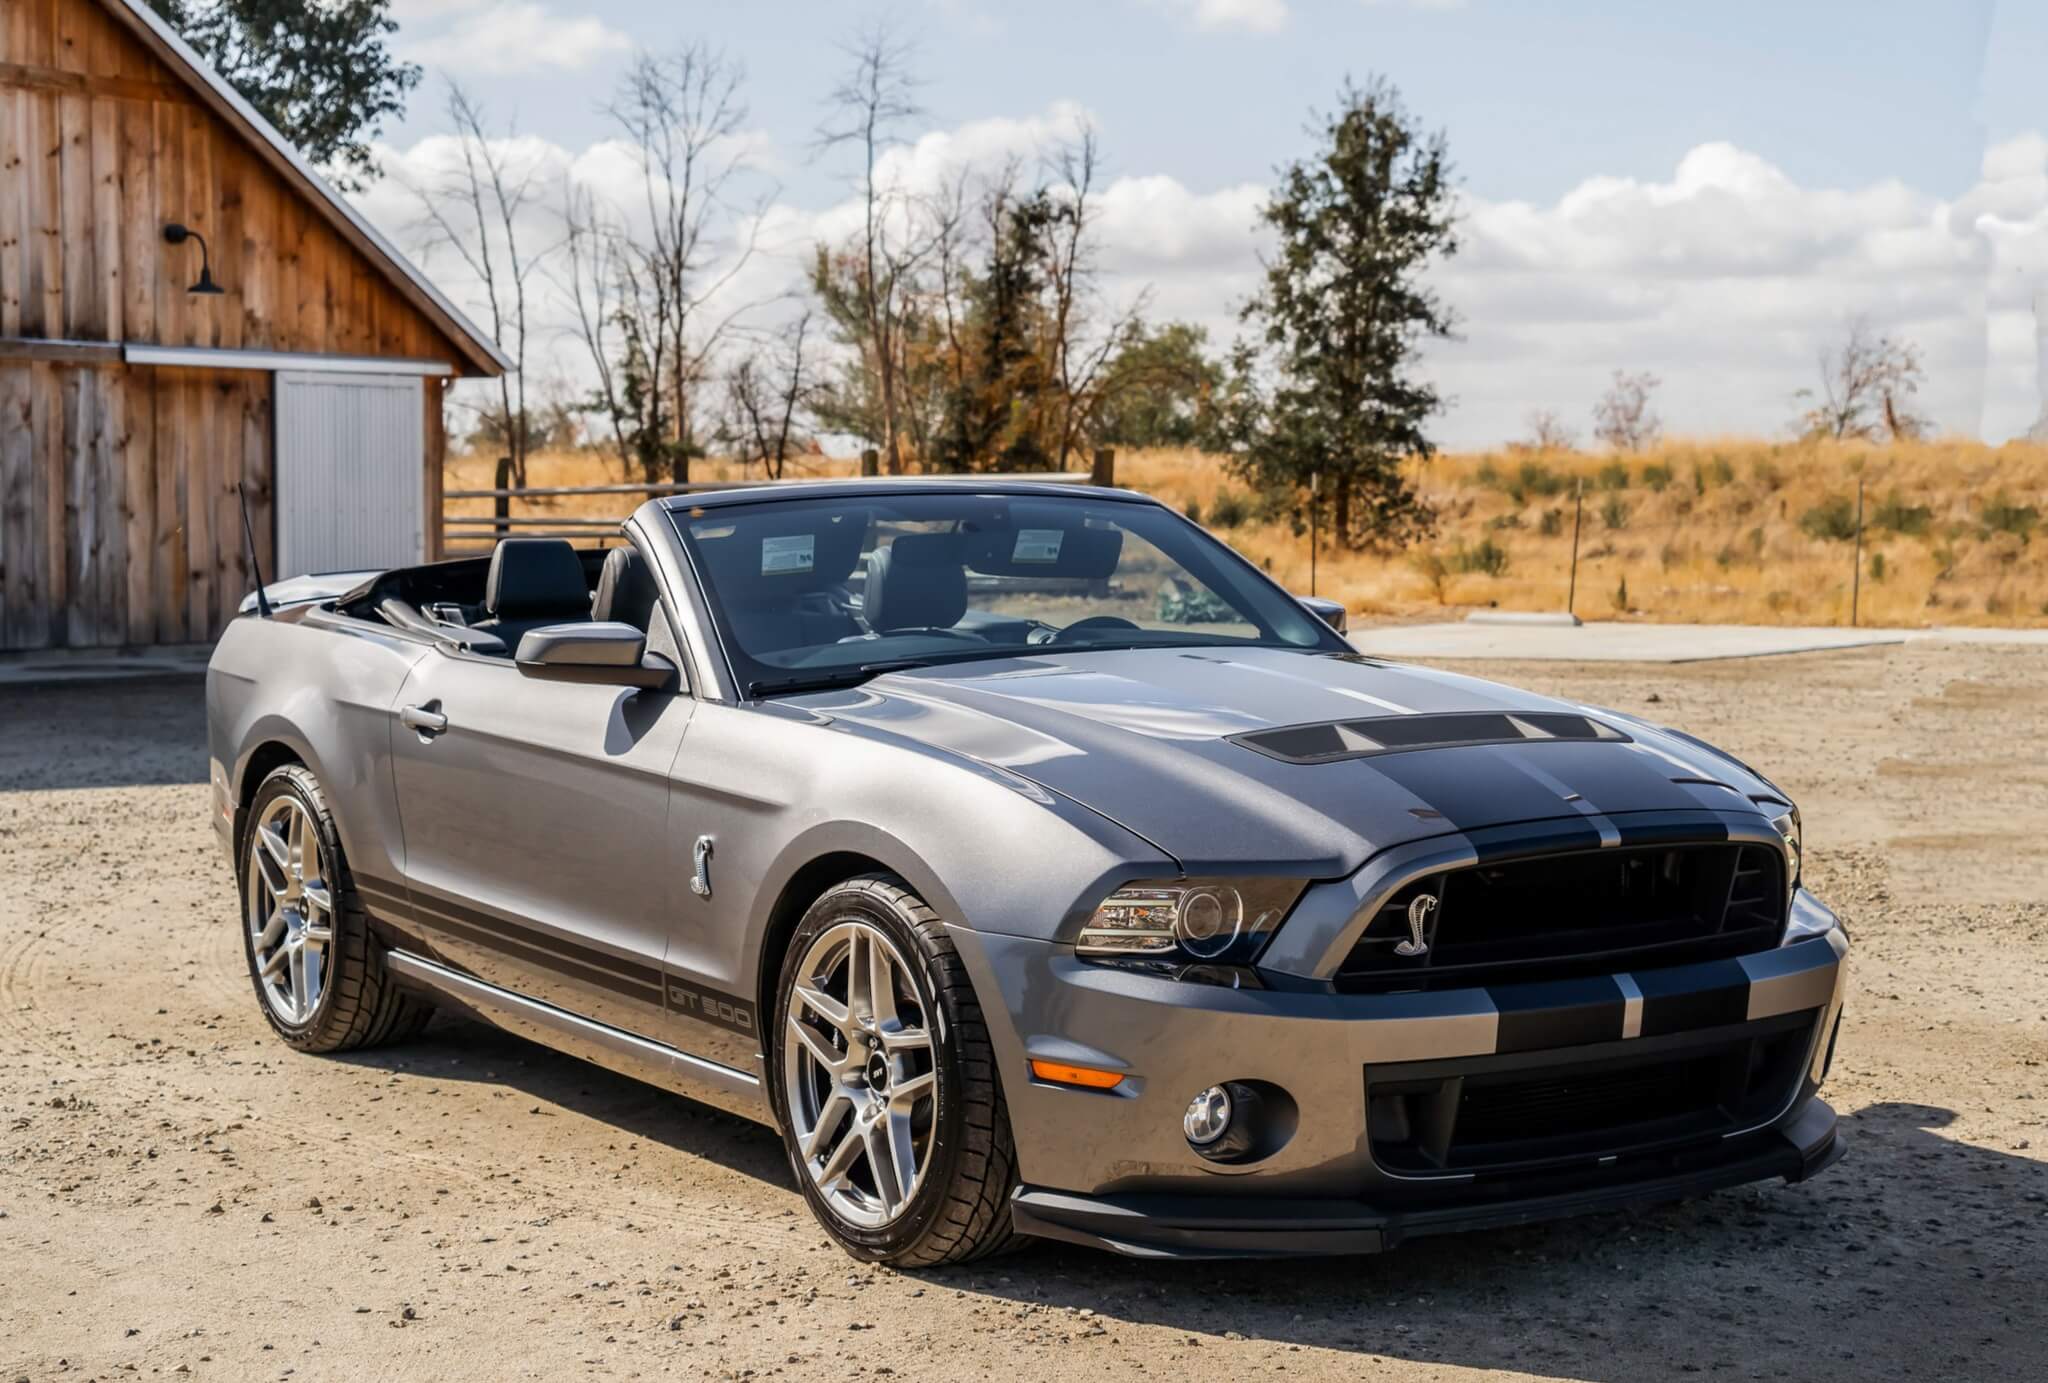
(426,719)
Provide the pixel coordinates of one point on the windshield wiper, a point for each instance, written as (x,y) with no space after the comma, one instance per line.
(831,681)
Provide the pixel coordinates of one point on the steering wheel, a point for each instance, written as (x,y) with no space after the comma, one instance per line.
(1093,622)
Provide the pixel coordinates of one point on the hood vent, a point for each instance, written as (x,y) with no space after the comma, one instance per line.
(1364,739)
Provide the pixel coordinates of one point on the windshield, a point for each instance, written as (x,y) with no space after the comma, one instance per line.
(826,592)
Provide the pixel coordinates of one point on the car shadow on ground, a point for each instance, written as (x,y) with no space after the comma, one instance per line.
(1920,1254)
(457,1048)
(104,735)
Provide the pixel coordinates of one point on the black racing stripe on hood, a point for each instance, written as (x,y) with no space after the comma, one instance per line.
(1486,784)
(1677,828)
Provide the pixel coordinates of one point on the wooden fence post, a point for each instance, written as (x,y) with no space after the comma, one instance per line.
(1105,467)
(501,505)
(871,462)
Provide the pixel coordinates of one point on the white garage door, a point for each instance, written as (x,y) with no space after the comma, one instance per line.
(351,454)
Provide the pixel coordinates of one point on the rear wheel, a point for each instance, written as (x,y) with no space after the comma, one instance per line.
(318,972)
(886,1085)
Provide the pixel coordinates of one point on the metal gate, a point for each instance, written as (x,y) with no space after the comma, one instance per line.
(351,457)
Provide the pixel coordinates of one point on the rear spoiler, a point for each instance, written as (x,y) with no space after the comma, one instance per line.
(307,590)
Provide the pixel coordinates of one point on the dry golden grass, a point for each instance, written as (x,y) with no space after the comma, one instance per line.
(1721,532)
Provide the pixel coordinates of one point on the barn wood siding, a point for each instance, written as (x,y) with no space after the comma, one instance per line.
(119,521)
(100,146)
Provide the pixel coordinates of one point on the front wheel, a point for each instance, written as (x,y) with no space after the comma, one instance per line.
(885,1082)
(319,973)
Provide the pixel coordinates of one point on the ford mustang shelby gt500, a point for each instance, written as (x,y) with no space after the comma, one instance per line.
(1034,865)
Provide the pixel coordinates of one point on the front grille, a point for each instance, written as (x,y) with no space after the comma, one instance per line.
(1499,1114)
(1562,916)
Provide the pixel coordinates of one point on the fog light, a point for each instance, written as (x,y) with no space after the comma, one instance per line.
(1208,1116)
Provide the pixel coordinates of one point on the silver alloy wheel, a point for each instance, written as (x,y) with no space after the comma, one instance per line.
(291,910)
(858,1070)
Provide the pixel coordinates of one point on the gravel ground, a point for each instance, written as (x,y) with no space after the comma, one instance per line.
(179,1194)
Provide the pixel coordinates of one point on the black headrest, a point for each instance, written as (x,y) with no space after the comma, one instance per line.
(625,589)
(536,578)
(917,582)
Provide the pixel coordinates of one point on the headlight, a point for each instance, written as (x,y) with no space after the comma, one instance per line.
(1189,920)
(1810,918)
(1787,823)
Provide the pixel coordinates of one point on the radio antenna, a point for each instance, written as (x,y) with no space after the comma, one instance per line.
(249,538)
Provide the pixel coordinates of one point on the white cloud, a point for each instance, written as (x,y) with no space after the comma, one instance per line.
(1725,277)
(1259,16)
(502,37)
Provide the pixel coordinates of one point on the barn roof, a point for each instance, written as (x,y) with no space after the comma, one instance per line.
(481,353)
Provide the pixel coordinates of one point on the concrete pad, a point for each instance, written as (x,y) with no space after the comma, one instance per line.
(69,666)
(1609,642)
(1547,619)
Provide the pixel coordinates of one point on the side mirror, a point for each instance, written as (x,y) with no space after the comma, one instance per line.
(1330,612)
(606,653)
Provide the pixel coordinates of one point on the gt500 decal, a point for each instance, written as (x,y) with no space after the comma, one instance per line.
(708,1005)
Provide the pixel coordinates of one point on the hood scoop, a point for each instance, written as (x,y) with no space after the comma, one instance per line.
(1340,740)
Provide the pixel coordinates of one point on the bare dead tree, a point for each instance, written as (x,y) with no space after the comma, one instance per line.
(1080,348)
(647,281)
(867,112)
(474,209)
(1549,432)
(1867,383)
(1623,418)
(768,393)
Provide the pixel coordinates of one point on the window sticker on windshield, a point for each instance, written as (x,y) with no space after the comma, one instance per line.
(789,555)
(1037,545)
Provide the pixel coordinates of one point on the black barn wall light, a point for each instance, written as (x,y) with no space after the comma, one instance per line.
(176,234)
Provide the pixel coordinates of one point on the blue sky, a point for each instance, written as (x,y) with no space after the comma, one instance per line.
(1865,119)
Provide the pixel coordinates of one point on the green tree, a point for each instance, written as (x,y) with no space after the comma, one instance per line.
(1327,389)
(319,72)
(1162,388)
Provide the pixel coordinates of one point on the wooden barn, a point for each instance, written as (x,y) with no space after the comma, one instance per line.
(186,307)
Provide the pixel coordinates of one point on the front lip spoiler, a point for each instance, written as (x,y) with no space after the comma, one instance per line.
(1183,1226)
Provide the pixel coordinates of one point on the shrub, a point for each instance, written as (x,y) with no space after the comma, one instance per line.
(1897,516)
(1614,513)
(1877,566)
(1435,571)
(1832,520)
(1535,478)
(1722,470)
(1657,476)
(1230,511)
(1621,596)
(1194,511)
(1488,474)
(1614,476)
(1486,558)
(1501,521)
(1552,523)
(2001,515)
(1769,476)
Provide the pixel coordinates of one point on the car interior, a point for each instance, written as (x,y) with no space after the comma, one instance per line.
(486,605)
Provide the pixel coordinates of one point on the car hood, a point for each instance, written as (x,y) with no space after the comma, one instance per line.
(1143,736)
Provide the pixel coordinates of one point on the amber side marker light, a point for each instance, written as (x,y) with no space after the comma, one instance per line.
(1059,1073)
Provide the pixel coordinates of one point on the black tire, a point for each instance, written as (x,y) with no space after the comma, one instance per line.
(961,1211)
(360,1004)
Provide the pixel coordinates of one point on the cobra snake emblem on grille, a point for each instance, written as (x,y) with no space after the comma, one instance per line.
(1419,913)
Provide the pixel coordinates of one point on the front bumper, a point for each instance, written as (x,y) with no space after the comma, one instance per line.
(1114,1168)
(1169,1226)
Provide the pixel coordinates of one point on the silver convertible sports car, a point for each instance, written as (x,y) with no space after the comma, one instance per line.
(1036,866)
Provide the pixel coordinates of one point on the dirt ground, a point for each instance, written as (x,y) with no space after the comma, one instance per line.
(181,1195)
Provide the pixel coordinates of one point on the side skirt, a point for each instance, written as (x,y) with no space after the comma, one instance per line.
(734,1091)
